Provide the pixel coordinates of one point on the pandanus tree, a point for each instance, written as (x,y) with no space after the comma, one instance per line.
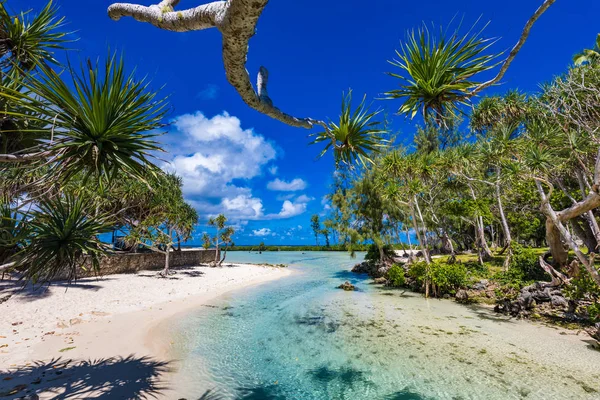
(223,237)
(28,42)
(236,20)
(588,56)
(572,109)
(166,216)
(438,74)
(58,128)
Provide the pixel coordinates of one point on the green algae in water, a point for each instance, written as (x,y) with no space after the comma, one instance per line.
(300,338)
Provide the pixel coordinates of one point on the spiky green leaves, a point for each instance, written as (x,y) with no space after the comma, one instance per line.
(436,72)
(588,56)
(355,136)
(62,235)
(101,123)
(26,41)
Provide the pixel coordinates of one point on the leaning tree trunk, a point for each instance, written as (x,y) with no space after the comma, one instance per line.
(449,245)
(224,255)
(556,228)
(505,228)
(425,241)
(422,244)
(590,214)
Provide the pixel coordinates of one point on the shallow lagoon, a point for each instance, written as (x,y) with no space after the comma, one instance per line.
(300,338)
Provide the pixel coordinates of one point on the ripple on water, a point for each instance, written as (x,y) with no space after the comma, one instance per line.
(300,338)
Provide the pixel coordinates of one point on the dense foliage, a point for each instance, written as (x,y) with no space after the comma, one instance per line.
(76,150)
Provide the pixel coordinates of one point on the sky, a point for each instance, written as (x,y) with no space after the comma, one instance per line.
(260,173)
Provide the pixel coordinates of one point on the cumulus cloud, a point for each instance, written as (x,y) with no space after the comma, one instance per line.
(262,232)
(283,186)
(217,160)
(273,170)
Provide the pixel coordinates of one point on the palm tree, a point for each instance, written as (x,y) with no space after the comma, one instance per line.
(355,135)
(437,72)
(588,56)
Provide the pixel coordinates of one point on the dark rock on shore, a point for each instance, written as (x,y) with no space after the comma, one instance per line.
(379,281)
(537,297)
(373,269)
(462,296)
(347,286)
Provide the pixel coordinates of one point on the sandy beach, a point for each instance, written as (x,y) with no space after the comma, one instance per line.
(104,335)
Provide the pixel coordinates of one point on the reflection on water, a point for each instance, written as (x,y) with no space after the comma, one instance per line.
(300,338)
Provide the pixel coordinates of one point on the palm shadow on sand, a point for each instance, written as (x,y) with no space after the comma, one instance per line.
(109,378)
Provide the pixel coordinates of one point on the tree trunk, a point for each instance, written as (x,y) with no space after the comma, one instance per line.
(422,243)
(425,241)
(450,246)
(165,271)
(505,228)
(554,223)
(224,255)
(487,253)
(590,214)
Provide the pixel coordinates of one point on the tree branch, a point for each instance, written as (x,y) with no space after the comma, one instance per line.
(236,20)
(28,157)
(515,50)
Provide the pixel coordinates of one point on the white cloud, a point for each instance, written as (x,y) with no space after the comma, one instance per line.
(283,186)
(283,197)
(262,232)
(217,160)
(304,198)
(273,170)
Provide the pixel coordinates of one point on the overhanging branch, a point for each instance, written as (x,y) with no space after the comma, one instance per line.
(236,20)
(515,50)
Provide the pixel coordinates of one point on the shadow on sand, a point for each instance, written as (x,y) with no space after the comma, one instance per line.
(110,378)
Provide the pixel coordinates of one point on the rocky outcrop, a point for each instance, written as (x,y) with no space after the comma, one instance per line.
(538,297)
(374,270)
(347,286)
(380,281)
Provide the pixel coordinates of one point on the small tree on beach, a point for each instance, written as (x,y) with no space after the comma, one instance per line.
(315,224)
(168,218)
(222,237)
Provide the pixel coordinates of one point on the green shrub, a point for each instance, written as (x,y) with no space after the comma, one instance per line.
(373,252)
(418,272)
(395,276)
(448,277)
(583,287)
(525,261)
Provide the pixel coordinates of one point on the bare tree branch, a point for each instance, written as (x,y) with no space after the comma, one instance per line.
(28,157)
(236,20)
(515,50)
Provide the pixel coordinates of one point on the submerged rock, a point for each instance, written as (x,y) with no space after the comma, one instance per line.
(347,286)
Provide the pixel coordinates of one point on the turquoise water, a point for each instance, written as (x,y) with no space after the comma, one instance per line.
(301,338)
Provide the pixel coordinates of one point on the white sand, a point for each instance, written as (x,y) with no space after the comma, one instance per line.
(114,316)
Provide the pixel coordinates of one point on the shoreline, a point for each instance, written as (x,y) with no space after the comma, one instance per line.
(127,340)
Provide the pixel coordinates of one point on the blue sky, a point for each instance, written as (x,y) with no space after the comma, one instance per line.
(261,173)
